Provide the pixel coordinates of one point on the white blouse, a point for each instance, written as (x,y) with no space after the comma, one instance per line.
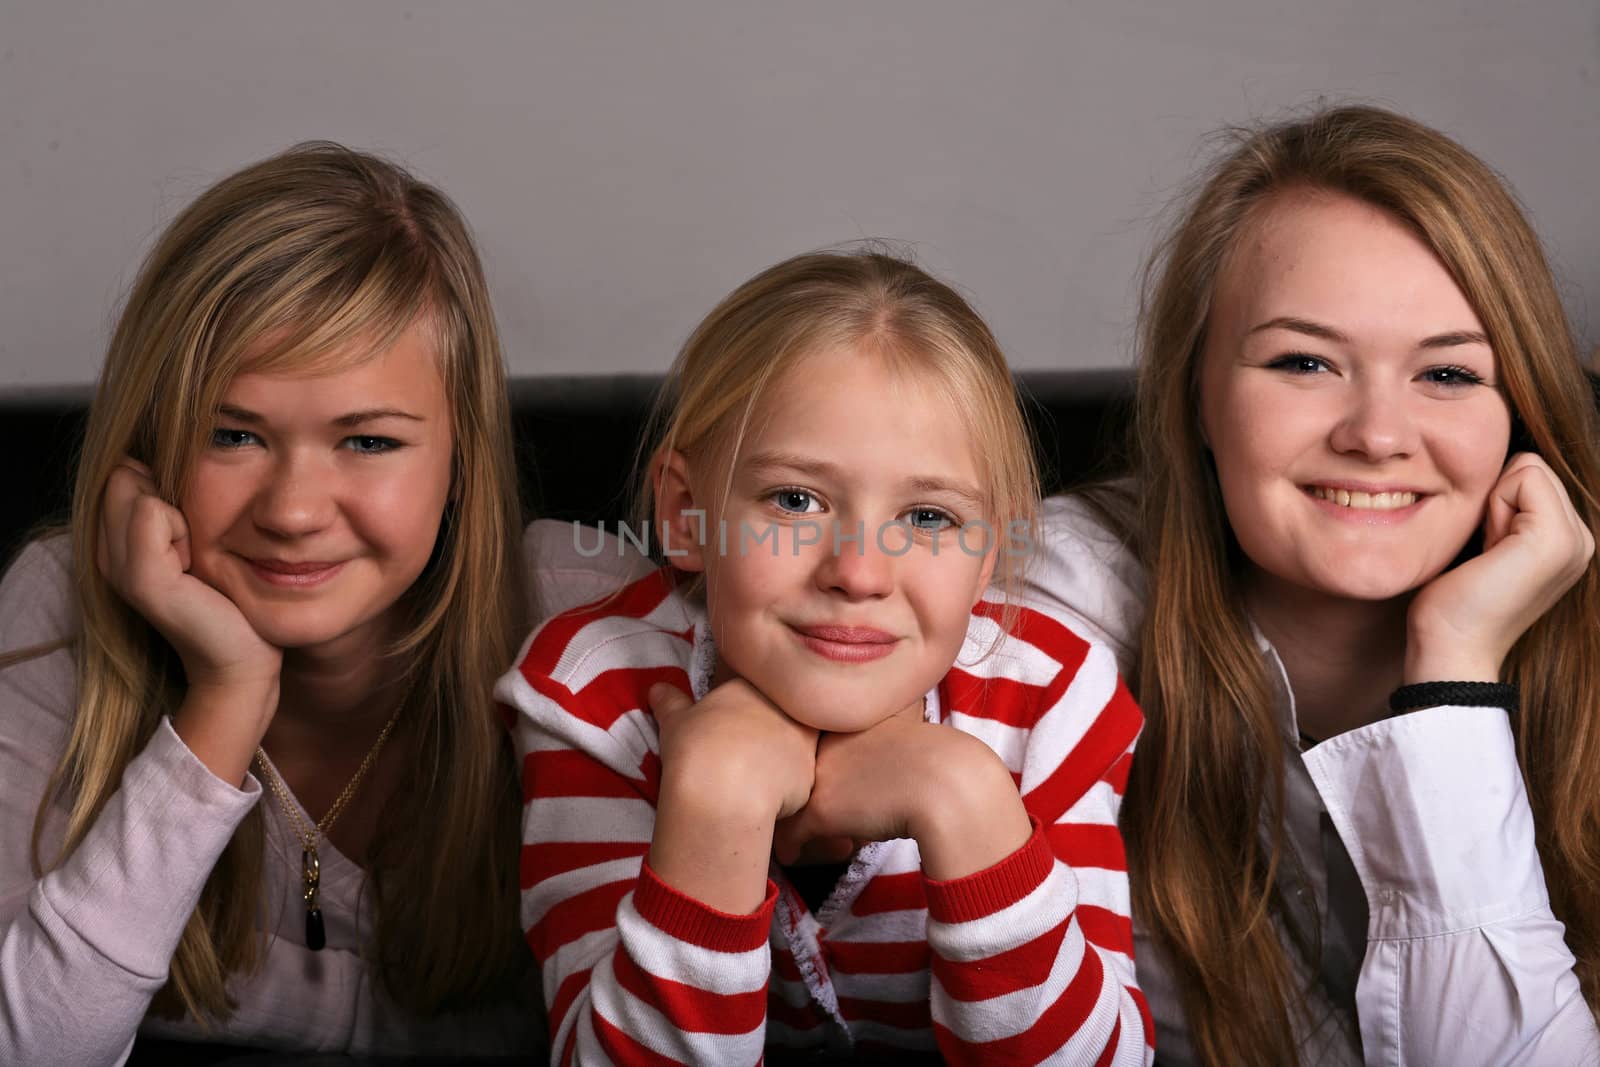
(1416,858)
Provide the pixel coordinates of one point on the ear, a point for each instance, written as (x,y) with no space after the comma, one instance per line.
(679,523)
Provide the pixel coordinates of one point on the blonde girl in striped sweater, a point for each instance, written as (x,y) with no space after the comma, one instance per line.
(818,782)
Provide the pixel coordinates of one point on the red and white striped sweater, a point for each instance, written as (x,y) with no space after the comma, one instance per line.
(1028,961)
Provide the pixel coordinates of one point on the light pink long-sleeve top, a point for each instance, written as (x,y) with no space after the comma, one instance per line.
(83,949)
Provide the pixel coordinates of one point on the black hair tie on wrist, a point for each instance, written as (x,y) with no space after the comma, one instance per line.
(1463,694)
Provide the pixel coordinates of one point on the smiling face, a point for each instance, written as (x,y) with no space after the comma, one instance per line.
(843,637)
(317,502)
(1347,396)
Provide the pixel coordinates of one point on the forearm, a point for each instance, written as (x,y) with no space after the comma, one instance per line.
(223,725)
(1465,962)
(971,817)
(80,962)
(682,983)
(1015,970)
(633,968)
(711,843)
(1016,979)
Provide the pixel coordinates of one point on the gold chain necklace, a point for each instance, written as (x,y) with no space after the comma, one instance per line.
(310,866)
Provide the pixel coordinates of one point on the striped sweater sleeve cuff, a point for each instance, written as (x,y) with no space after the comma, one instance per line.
(687,919)
(993,888)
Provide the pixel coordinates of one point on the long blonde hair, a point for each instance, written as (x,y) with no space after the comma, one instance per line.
(318,253)
(1208,772)
(821,300)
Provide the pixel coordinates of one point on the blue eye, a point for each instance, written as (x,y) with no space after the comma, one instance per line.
(1299,363)
(1451,376)
(794,501)
(368,445)
(929,519)
(226,438)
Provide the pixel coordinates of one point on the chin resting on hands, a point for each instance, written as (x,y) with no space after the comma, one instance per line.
(943,788)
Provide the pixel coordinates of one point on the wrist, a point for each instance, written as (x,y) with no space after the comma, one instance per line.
(718,785)
(242,678)
(1431,657)
(970,815)
(223,725)
(711,842)
(1456,668)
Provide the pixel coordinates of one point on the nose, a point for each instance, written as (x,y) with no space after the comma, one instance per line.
(859,563)
(1377,424)
(297,498)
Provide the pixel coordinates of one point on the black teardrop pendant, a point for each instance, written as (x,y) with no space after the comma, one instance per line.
(311,872)
(316,936)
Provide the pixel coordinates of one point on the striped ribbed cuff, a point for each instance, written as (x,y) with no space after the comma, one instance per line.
(687,919)
(993,888)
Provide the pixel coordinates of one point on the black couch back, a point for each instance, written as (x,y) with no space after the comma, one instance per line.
(576,440)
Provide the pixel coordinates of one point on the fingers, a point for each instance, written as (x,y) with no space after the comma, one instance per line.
(155,528)
(1501,508)
(1530,498)
(144,541)
(801,837)
(137,530)
(665,700)
(129,482)
(789,835)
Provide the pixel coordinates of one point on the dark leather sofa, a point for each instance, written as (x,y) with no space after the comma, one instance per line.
(576,440)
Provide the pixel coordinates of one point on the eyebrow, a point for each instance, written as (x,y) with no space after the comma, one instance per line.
(767,461)
(1327,333)
(353,419)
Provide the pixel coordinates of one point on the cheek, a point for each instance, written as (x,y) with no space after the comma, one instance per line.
(1484,470)
(739,584)
(943,589)
(1246,462)
(401,517)
(398,507)
(214,502)
(1472,451)
(1261,442)
(1258,427)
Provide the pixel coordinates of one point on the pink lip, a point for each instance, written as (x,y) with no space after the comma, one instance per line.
(847,644)
(298,574)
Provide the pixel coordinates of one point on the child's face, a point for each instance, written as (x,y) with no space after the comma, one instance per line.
(840,617)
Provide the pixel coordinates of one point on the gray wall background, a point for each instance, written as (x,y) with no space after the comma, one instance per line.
(625,164)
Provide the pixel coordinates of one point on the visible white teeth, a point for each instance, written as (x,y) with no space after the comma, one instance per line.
(1365,501)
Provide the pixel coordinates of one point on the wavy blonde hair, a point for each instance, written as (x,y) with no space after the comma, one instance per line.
(867,299)
(325,256)
(1208,772)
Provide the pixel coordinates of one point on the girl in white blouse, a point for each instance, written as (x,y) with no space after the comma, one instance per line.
(1365,464)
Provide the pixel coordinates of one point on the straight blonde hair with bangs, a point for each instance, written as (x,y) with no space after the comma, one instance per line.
(301,263)
(1208,773)
(871,300)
